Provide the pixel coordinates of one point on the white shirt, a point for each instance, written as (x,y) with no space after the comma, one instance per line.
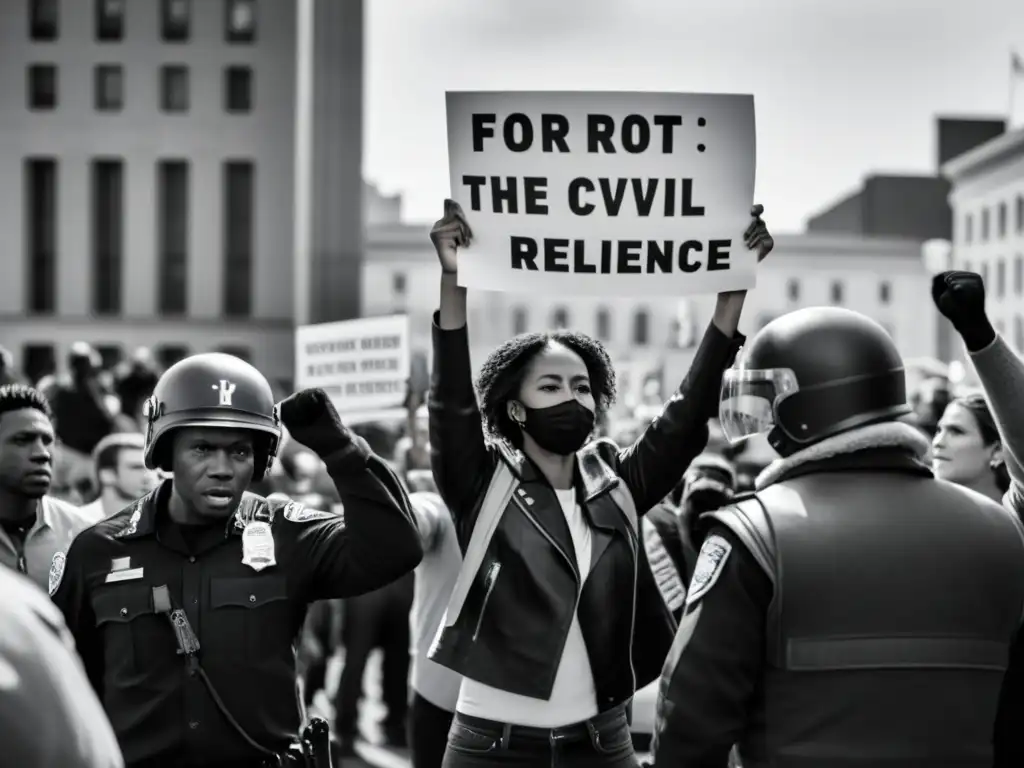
(573,697)
(94,511)
(435,579)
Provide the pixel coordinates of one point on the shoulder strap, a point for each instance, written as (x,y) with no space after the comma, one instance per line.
(499,492)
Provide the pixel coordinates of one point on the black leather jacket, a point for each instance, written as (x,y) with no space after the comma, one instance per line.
(513,625)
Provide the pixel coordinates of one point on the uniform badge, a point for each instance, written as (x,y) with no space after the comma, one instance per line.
(709,567)
(297,513)
(56,572)
(133,524)
(258,546)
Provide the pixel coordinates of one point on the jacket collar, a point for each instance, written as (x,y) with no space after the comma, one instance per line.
(142,514)
(594,475)
(891,438)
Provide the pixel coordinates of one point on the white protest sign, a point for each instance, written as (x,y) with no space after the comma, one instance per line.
(602,194)
(362,364)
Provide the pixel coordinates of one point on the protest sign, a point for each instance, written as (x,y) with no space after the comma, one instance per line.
(602,194)
(363,365)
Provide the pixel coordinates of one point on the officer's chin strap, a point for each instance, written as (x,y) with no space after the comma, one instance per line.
(314,753)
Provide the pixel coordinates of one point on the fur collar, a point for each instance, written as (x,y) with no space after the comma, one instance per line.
(889,435)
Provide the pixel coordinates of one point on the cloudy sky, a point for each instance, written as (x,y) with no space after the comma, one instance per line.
(842,87)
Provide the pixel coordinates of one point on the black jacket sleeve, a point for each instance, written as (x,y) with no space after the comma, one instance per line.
(653,465)
(374,543)
(459,456)
(715,665)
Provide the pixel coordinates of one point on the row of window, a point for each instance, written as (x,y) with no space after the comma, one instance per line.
(39,360)
(108,88)
(175,20)
(998,288)
(837,291)
(1002,216)
(107,217)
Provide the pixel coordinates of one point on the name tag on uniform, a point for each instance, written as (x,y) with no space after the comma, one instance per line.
(131,574)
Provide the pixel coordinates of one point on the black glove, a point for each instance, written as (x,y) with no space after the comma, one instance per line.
(311,419)
(960,296)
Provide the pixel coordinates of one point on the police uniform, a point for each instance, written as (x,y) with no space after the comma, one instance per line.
(854,611)
(139,595)
(39,551)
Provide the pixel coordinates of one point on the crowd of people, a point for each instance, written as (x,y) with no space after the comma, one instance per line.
(525,560)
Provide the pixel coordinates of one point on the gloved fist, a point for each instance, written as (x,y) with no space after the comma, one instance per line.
(310,418)
(960,296)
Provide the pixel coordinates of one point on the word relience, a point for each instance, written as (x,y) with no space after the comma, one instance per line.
(618,257)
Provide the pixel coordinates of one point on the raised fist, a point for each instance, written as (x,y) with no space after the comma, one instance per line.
(448,234)
(960,296)
(310,418)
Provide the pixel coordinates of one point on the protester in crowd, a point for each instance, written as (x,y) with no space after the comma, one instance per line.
(49,715)
(960,296)
(121,474)
(82,417)
(35,528)
(435,689)
(902,593)
(221,573)
(541,624)
(967,450)
(134,383)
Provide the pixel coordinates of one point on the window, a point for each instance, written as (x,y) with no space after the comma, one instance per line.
(837,292)
(238,89)
(604,324)
(41,235)
(169,354)
(1020,214)
(107,235)
(1000,278)
(641,328)
(175,20)
(110,354)
(884,292)
(518,321)
(984,225)
(238,237)
(1001,220)
(968,228)
(174,88)
(243,353)
(1018,333)
(42,20)
(172,231)
(560,318)
(398,283)
(42,86)
(109,20)
(793,290)
(1018,275)
(984,275)
(239,21)
(109,88)
(38,360)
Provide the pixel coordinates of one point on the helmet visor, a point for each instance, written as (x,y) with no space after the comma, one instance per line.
(746,406)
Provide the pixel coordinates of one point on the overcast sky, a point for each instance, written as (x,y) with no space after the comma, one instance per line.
(842,87)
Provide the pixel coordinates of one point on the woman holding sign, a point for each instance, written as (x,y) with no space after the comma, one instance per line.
(554,586)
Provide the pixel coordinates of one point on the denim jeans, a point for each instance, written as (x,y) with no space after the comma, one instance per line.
(604,741)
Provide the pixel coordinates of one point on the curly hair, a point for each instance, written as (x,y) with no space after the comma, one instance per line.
(989,431)
(15,397)
(503,372)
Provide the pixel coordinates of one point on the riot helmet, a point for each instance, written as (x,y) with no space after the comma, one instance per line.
(811,374)
(212,390)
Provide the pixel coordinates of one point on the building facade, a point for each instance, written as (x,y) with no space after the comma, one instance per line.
(147,158)
(883,278)
(988,232)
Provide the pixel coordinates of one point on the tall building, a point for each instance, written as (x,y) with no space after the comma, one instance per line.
(147,161)
(988,234)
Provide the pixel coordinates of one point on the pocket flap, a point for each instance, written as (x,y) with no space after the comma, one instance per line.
(247,592)
(121,603)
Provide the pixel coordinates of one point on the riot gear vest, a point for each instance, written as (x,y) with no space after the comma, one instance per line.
(896,598)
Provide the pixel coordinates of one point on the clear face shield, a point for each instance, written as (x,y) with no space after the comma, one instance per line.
(745,406)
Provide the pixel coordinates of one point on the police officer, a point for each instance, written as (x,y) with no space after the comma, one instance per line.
(186,605)
(853,610)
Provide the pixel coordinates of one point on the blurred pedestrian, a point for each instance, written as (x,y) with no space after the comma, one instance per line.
(49,714)
(35,528)
(134,383)
(121,474)
(967,449)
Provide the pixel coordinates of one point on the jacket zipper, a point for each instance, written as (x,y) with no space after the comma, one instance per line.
(490,580)
(546,535)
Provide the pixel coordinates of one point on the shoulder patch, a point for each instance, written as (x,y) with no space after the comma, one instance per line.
(56,572)
(132,525)
(297,513)
(709,567)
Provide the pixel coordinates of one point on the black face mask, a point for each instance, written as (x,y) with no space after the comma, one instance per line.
(562,429)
